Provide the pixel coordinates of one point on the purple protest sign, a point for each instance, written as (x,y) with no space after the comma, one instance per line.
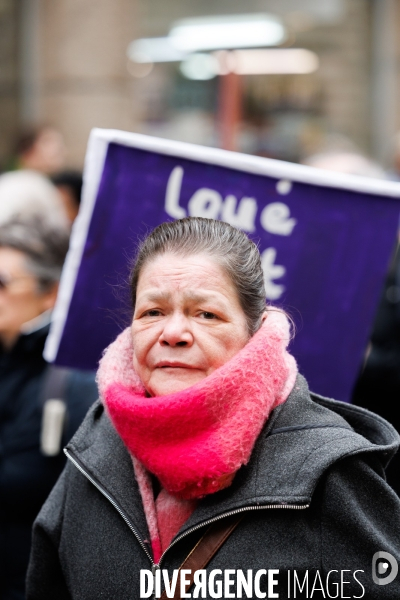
(325,241)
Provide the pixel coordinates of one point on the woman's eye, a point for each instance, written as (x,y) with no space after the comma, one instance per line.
(152,313)
(208,315)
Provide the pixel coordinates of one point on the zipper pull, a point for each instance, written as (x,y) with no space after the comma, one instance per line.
(156,572)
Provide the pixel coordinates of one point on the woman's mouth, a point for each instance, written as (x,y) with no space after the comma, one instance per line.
(173,365)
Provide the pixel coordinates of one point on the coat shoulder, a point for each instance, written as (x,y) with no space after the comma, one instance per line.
(307,435)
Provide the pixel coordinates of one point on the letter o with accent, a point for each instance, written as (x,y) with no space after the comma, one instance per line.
(205,203)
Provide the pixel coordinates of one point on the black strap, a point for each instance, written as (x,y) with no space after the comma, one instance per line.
(198,558)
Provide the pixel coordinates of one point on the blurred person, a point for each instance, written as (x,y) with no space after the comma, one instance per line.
(337,152)
(31,257)
(26,193)
(205,431)
(69,185)
(378,385)
(39,148)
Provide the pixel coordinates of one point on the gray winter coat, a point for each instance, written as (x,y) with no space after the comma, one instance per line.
(315,502)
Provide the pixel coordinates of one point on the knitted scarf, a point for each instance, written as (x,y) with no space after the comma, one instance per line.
(195,440)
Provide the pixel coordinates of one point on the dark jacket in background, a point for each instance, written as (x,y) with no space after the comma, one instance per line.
(313,497)
(26,475)
(378,386)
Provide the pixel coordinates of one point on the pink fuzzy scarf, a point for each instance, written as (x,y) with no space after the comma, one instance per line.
(195,440)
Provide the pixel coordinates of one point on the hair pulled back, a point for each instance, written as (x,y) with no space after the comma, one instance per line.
(228,246)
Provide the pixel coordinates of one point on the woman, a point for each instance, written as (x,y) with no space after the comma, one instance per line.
(31,257)
(204,416)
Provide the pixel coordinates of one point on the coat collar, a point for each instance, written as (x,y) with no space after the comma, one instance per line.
(301,440)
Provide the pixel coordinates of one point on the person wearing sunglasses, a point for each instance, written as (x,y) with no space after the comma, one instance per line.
(32,253)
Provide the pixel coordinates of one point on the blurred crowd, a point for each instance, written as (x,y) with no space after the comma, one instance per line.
(41,405)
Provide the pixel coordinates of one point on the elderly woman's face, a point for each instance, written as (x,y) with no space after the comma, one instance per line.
(188,322)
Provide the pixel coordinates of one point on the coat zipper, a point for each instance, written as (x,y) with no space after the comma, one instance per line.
(156,566)
(228,514)
(115,505)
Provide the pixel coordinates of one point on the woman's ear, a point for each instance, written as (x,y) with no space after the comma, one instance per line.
(265,315)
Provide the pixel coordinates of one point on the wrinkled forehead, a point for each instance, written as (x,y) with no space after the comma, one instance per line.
(196,277)
(182,268)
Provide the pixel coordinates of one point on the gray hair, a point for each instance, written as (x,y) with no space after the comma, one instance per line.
(228,246)
(25,194)
(43,244)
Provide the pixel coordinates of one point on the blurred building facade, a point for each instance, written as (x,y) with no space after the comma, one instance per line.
(65,63)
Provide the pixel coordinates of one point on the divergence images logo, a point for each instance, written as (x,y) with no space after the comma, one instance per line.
(384,568)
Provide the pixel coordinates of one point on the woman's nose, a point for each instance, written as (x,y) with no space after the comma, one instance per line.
(176,332)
